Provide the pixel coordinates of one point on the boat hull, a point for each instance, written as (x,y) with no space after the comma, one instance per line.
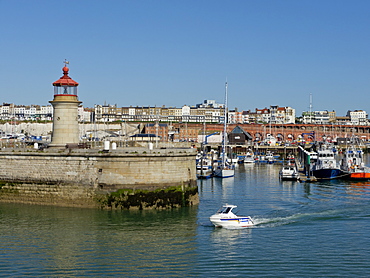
(235,222)
(289,177)
(205,175)
(328,174)
(224,173)
(249,159)
(359,176)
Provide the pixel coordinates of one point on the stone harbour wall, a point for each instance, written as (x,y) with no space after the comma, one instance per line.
(47,168)
(88,177)
(48,194)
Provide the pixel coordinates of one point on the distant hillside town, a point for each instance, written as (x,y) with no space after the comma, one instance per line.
(207,112)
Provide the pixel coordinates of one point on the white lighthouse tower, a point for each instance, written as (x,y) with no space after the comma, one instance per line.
(65,104)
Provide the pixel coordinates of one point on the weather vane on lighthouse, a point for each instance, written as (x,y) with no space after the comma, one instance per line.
(65,62)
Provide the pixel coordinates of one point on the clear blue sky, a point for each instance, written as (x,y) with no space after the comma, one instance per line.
(172,52)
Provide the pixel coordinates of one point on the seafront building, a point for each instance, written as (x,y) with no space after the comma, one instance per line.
(9,111)
(207,112)
(358,117)
(316,117)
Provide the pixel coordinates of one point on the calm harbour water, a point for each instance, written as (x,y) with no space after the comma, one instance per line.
(304,230)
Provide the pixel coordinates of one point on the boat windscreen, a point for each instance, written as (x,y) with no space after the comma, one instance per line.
(225,210)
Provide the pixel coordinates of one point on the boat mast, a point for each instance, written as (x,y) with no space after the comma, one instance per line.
(225,128)
(310,108)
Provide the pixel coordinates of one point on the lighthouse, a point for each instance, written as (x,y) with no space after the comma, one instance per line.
(65,105)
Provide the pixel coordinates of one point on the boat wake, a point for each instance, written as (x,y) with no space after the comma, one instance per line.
(302,218)
(297,218)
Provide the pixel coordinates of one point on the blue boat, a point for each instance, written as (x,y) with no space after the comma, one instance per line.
(326,166)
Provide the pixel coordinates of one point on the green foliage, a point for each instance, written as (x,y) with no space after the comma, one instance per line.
(169,197)
(10,186)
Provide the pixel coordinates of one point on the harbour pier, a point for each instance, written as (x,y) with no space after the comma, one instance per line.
(125,178)
(68,173)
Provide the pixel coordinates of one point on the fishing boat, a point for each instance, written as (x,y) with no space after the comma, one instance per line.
(352,163)
(224,217)
(224,168)
(326,166)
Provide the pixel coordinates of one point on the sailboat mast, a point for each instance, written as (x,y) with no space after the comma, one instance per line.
(225,129)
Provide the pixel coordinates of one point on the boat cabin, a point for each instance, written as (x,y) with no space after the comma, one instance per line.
(226,209)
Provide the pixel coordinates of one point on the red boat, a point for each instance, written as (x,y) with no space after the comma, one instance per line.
(359,176)
(353,165)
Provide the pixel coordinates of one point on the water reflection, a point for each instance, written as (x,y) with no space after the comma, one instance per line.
(303,230)
(61,240)
(231,237)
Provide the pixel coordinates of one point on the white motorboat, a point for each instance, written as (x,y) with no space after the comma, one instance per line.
(249,157)
(224,217)
(289,172)
(270,157)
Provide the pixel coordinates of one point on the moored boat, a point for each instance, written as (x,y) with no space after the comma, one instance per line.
(289,172)
(267,158)
(224,169)
(326,166)
(249,157)
(352,163)
(270,157)
(204,168)
(224,217)
(359,174)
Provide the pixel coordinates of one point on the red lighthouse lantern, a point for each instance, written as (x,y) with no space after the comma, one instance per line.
(65,85)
